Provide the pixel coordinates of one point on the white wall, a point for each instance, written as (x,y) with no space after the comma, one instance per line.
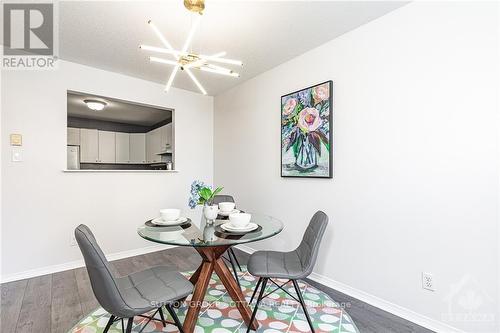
(416,172)
(42,204)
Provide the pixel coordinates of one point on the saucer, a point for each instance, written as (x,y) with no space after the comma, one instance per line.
(227,213)
(228,227)
(160,221)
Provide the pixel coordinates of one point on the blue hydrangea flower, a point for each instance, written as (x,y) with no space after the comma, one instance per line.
(194,199)
(304,97)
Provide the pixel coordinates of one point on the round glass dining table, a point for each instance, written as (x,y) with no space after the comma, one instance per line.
(211,241)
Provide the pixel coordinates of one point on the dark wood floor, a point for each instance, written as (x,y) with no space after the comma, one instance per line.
(55,302)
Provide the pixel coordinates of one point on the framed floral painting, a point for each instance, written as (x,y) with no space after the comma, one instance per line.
(307,132)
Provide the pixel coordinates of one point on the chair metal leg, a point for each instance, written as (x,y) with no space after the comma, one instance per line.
(108,325)
(231,252)
(129,325)
(303,304)
(254,313)
(123,327)
(162,317)
(174,317)
(255,290)
(234,270)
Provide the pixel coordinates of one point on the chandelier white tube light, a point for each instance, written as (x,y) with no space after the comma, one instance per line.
(211,70)
(198,84)
(164,61)
(171,78)
(222,60)
(160,35)
(160,50)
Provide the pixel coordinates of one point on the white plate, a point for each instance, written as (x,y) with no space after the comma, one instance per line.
(160,221)
(228,227)
(227,213)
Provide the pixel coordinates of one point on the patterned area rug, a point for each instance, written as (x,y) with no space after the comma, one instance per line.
(278,313)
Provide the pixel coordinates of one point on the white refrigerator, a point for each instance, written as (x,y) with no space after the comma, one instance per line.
(73,156)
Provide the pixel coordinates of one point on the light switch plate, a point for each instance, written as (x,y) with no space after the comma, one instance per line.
(17,155)
(16,140)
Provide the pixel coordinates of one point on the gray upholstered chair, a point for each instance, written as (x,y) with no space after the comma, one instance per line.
(132,295)
(230,253)
(293,266)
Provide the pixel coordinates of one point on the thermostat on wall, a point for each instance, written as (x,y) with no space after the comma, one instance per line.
(16,140)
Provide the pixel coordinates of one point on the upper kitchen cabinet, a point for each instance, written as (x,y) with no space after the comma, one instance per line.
(107,148)
(153,145)
(73,136)
(159,142)
(138,148)
(122,147)
(89,146)
(166,138)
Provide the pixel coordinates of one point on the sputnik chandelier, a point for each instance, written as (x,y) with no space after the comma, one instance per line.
(186,60)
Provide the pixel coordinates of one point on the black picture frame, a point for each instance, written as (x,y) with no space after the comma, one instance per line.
(304,173)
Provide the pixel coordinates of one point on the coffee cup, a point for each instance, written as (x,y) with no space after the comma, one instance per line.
(226,207)
(170,214)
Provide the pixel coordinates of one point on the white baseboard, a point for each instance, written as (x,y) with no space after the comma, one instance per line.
(414,317)
(78,263)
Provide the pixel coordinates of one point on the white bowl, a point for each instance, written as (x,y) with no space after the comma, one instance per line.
(226,207)
(170,214)
(240,220)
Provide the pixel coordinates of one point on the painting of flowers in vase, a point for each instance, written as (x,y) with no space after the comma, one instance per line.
(307,132)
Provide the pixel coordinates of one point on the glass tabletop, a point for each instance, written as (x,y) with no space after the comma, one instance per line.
(206,235)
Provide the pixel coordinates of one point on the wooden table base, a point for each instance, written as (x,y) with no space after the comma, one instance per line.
(212,261)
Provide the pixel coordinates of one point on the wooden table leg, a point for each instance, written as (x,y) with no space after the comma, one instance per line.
(194,306)
(212,261)
(234,291)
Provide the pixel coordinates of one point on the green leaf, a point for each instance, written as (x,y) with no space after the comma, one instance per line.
(299,107)
(217,191)
(205,193)
(295,146)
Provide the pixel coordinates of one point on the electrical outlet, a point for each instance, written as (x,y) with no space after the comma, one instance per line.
(72,241)
(427,281)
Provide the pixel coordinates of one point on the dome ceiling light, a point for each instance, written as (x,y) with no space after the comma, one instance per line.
(94,104)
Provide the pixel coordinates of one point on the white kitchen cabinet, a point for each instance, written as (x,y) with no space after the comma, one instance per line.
(153,145)
(107,150)
(166,138)
(89,146)
(170,135)
(138,148)
(73,136)
(122,147)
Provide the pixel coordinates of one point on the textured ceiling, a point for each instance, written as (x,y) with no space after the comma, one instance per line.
(263,34)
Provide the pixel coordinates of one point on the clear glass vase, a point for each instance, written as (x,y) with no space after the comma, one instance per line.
(307,157)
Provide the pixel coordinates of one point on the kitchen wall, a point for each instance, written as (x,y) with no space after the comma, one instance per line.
(42,204)
(416,161)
